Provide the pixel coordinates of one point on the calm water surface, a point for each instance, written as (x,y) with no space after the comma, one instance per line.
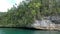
(23,31)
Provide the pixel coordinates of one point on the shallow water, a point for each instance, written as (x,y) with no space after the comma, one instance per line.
(23,31)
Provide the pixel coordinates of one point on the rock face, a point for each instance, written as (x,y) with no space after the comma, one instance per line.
(43,24)
(55,19)
(47,22)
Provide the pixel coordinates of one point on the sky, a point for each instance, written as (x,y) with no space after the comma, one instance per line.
(7,4)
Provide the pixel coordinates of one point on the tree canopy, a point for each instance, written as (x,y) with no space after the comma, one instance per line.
(29,10)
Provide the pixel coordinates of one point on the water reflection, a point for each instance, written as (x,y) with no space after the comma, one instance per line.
(46,32)
(2,32)
(23,31)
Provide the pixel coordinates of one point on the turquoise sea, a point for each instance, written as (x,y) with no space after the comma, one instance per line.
(25,31)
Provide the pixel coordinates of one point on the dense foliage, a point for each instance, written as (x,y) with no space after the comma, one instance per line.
(28,11)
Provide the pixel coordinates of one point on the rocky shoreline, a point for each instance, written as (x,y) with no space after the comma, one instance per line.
(30,28)
(47,23)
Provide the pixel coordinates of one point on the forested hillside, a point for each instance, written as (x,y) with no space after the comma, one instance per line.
(2,13)
(28,11)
